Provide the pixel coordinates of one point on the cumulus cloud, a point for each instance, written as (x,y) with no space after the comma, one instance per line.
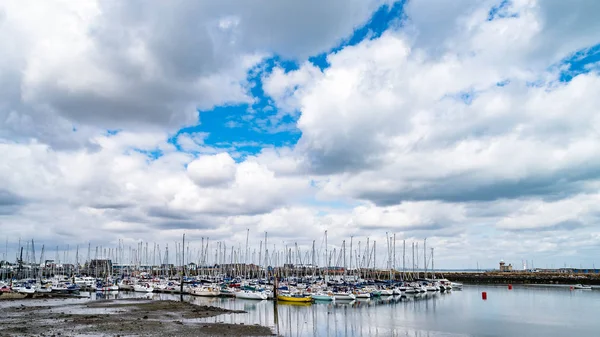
(454,125)
(103,64)
(462,125)
(213,170)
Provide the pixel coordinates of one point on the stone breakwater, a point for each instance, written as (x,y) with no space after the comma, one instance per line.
(523,278)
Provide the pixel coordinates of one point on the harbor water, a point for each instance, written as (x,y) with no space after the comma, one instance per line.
(522,311)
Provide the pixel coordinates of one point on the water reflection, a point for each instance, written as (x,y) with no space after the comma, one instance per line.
(520,312)
(364,317)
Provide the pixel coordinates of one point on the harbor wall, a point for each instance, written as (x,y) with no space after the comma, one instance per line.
(523,278)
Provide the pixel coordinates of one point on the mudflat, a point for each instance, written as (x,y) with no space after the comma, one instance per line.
(120,318)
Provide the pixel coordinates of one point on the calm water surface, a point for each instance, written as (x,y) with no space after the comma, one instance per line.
(523,311)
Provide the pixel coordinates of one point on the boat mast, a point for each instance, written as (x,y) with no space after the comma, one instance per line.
(432,268)
(246,257)
(425,257)
(326,260)
(389,257)
(374,256)
(344,252)
(41,259)
(351,256)
(417,256)
(394,260)
(182,266)
(313,259)
(33,257)
(76,260)
(403,260)
(413,260)
(367,257)
(266,259)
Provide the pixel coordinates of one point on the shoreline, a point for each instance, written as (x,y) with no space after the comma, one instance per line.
(130,317)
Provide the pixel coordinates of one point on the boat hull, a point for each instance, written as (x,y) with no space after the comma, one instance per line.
(142,289)
(322,297)
(344,297)
(205,293)
(251,296)
(304,299)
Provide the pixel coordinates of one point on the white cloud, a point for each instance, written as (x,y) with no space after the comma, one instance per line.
(213,170)
(408,133)
(388,121)
(113,65)
(285,88)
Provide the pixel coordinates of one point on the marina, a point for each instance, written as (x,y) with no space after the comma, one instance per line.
(522,311)
(319,290)
(342,273)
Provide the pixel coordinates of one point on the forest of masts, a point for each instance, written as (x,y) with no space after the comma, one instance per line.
(216,258)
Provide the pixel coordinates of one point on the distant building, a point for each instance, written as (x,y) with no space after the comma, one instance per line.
(504,267)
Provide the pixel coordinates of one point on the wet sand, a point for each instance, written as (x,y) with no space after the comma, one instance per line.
(120,318)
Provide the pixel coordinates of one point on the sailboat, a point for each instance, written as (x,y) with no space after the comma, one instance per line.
(344,296)
(251,295)
(359,293)
(322,296)
(142,287)
(206,291)
(25,288)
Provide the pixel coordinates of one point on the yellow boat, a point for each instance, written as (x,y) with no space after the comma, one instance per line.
(294,298)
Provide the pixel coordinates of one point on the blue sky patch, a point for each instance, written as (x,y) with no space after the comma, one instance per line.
(503,83)
(246,129)
(150,154)
(502,11)
(579,63)
(383,19)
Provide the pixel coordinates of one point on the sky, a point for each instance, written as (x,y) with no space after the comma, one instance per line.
(474,124)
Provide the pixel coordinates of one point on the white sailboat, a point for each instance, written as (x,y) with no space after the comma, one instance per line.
(362,294)
(206,291)
(344,296)
(26,288)
(142,288)
(322,296)
(251,295)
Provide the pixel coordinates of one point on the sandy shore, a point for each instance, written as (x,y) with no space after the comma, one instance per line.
(120,318)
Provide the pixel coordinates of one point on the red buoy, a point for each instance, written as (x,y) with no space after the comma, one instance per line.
(484,295)
(510,287)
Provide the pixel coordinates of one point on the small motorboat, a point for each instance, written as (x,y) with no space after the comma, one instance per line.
(582,287)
